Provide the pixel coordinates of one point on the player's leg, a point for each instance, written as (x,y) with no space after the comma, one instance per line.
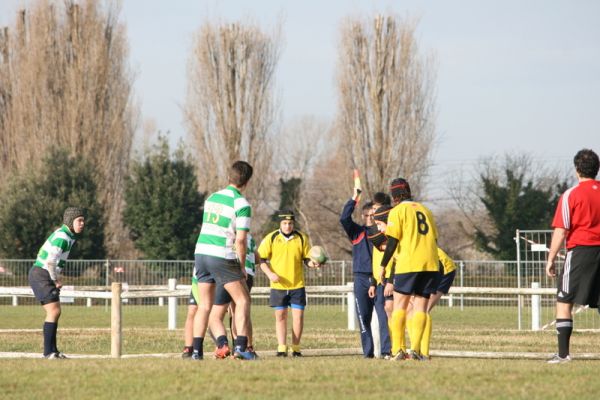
(206,293)
(364,313)
(281,314)
(48,295)
(398,324)
(382,316)
(53,312)
(188,331)
(216,318)
(424,284)
(418,322)
(298,304)
(240,296)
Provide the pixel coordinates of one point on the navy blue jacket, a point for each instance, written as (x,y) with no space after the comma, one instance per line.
(362,249)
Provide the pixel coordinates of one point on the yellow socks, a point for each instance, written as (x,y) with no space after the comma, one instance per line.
(426,336)
(419,318)
(282,348)
(398,326)
(296,348)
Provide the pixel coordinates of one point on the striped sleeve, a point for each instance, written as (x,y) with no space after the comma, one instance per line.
(243,214)
(562,216)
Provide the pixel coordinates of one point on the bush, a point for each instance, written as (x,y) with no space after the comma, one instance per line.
(32,206)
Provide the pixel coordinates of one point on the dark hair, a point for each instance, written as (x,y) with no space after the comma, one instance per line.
(240,173)
(586,163)
(368,205)
(382,198)
(400,189)
(381,214)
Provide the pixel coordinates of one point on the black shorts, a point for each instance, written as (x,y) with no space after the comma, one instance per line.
(446,282)
(579,281)
(421,284)
(222,296)
(281,299)
(44,288)
(217,270)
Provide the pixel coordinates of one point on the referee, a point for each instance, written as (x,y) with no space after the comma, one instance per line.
(577,219)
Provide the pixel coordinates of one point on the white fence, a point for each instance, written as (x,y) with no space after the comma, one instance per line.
(174,291)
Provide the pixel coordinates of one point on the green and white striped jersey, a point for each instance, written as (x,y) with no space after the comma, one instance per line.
(225,212)
(55,251)
(250,258)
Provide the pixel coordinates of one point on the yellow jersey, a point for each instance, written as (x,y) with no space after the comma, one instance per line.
(286,256)
(412,224)
(377,257)
(446,262)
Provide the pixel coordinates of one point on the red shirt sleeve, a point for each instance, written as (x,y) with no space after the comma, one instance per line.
(558,221)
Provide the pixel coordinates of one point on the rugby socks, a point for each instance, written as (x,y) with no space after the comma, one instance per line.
(50,337)
(241,342)
(409,327)
(296,348)
(222,341)
(564,328)
(282,348)
(198,345)
(426,336)
(398,326)
(419,319)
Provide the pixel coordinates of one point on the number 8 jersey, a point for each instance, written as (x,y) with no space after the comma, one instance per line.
(412,224)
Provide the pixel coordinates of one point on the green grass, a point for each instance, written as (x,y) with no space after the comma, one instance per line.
(86,331)
(314,377)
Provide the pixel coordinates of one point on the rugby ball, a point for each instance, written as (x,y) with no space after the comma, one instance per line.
(318,254)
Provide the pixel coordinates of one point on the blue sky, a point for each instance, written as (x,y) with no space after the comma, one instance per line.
(512,75)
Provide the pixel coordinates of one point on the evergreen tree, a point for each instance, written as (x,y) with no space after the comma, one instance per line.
(32,205)
(514,202)
(163,210)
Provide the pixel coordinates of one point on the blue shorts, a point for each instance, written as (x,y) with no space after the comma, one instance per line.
(43,286)
(421,284)
(222,296)
(281,299)
(446,282)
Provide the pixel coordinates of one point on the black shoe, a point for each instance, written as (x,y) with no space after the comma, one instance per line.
(282,354)
(297,354)
(197,356)
(187,353)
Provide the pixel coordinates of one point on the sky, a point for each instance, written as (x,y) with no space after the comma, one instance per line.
(512,76)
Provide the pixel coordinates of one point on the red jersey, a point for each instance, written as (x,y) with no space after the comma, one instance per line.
(578,211)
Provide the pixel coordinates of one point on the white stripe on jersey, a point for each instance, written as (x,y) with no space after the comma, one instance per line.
(567,272)
(566,215)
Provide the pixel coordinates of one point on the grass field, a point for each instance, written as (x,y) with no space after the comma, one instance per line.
(85,331)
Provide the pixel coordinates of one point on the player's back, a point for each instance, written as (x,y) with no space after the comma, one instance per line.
(413,225)
(225,212)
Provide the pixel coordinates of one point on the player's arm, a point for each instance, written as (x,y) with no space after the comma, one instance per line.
(264,254)
(266,269)
(390,248)
(351,228)
(58,246)
(241,248)
(558,238)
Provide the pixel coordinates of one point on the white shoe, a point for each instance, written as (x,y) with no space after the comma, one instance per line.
(556,359)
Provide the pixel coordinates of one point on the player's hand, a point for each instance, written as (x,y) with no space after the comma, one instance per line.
(371,292)
(356,193)
(388,290)
(382,274)
(550,269)
(313,264)
(273,277)
(58,283)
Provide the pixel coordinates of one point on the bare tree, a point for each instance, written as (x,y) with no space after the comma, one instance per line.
(230,109)
(65,82)
(386,101)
